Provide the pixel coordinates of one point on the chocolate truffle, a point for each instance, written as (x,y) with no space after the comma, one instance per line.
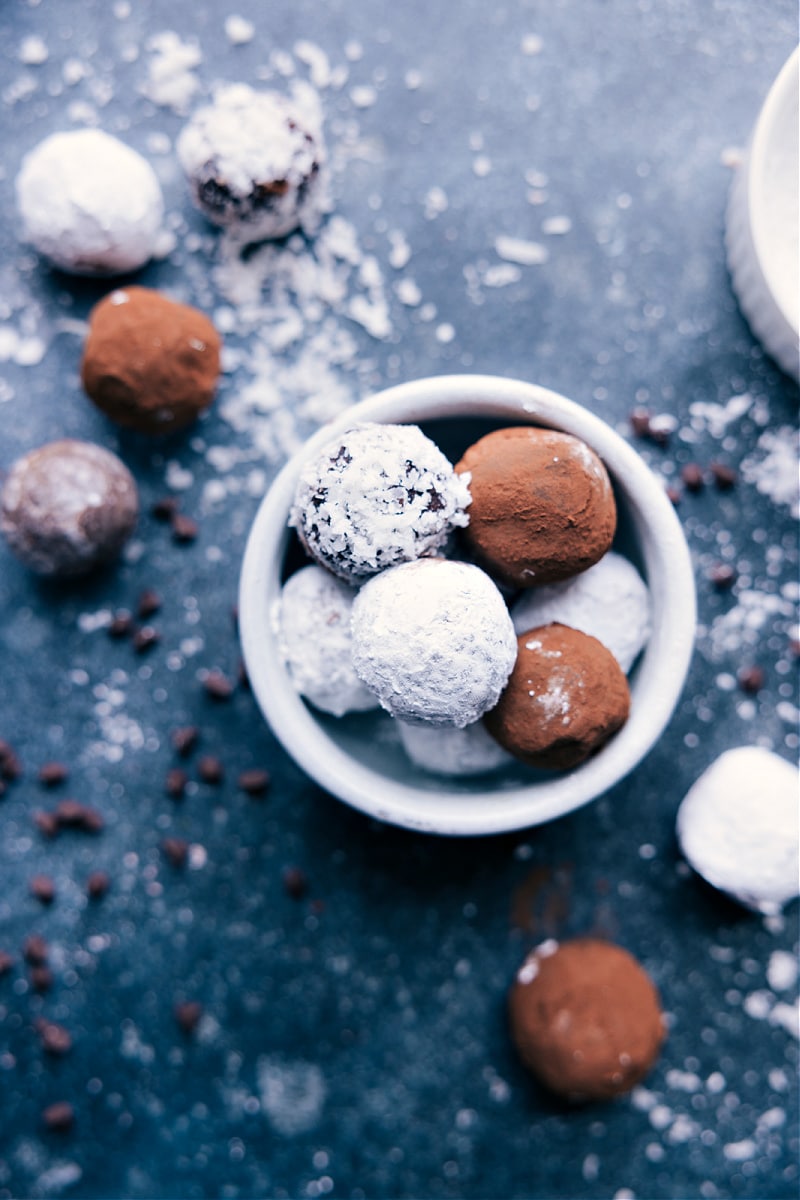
(585,1018)
(314,636)
(89,203)
(253,161)
(376,496)
(565,698)
(149,363)
(610,601)
(542,505)
(433,640)
(67,507)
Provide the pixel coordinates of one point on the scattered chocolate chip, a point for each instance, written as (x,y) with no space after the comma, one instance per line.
(59,1117)
(723,576)
(724,476)
(661,428)
(751,680)
(145,638)
(218,686)
(176,850)
(46,823)
(794,647)
(692,476)
(71,814)
(97,885)
(674,495)
(52,773)
(295,883)
(55,1038)
(41,979)
(255,781)
(184,529)
(175,783)
(210,769)
(640,422)
(35,950)
(188,1014)
(42,888)
(6,962)
(166,508)
(121,624)
(149,603)
(10,766)
(184,739)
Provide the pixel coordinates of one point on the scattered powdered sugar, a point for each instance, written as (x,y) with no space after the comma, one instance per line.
(238,30)
(774,467)
(517,250)
(741,626)
(782,970)
(171,82)
(292,1094)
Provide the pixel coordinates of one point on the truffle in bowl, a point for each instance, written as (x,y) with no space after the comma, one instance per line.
(360,757)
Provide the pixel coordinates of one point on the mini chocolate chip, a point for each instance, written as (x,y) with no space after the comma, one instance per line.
(661,428)
(218,686)
(97,885)
(6,962)
(751,679)
(723,576)
(255,781)
(166,508)
(184,739)
(176,850)
(175,783)
(692,476)
(149,603)
(674,495)
(145,638)
(724,476)
(59,1117)
(210,769)
(184,529)
(52,773)
(295,883)
(46,823)
(71,814)
(42,888)
(35,949)
(121,624)
(640,422)
(188,1014)
(55,1038)
(10,766)
(41,979)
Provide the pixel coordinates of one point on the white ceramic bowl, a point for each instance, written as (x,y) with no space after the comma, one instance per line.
(359,757)
(762,224)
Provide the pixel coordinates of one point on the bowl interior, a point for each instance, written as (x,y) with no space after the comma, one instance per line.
(359,757)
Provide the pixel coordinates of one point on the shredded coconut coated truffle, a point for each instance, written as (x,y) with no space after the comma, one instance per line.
(89,203)
(738,826)
(443,751)
(254,162)
(314,632)
(376,496)
(434,641)
(609,602)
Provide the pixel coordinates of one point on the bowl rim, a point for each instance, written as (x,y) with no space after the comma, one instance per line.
(659,677)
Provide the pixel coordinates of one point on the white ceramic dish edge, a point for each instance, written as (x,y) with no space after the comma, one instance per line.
(655,690)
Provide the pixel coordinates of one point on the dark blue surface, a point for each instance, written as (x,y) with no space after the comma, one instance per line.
(353,1042)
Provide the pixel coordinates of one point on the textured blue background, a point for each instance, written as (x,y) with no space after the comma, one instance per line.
(353,1043)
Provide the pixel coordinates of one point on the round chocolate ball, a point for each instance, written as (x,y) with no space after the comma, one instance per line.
(566,696)
(585,1018)
(67,507)
(149,363)
(542,505)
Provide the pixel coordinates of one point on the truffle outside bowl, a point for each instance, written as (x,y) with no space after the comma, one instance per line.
(359,758)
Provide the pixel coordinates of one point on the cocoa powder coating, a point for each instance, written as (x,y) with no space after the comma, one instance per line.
(542,505)
(585,1018)
(149,363)
(566,696)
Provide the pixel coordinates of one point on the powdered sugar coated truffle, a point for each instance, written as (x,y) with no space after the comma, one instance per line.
(314,633)
(450,751)
(376,496)
(739,827)
(434,641)
(610,602)
(254,162)
(89,203)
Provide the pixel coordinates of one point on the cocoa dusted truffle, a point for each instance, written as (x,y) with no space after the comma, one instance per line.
(67,507)
(566,696)
(585,1018)
(149,363)
(542,505)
